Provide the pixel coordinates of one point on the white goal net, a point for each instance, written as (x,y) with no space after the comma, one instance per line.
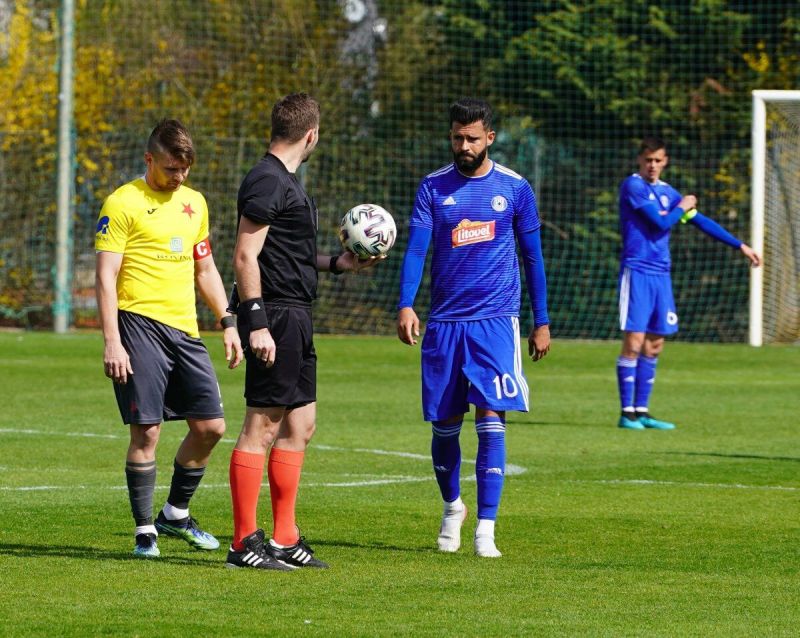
(775,288)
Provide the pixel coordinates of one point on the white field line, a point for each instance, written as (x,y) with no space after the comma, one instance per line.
(730,486)
(388,480)
(89,435)
(378,480)
(511,469)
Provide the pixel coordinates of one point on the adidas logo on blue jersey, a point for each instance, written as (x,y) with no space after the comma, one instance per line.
(449,201)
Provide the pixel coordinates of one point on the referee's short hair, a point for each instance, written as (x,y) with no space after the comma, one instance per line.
(293,116)
(171,137)
(468,110)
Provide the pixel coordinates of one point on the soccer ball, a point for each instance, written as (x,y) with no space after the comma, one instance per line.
(367,230)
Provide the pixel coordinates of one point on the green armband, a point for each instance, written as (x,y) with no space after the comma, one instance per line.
(689,214)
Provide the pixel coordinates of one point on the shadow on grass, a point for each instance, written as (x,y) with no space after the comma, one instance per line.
(314,542)
(758,457)
(21,550)
(523,421)
(369,546)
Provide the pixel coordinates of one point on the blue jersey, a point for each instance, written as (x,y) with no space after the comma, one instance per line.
(473,222)
(645,247)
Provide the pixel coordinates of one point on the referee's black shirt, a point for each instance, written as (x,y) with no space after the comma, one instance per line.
(272,195)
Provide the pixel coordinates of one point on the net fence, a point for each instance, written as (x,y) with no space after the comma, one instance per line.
(575,85)
(782,224)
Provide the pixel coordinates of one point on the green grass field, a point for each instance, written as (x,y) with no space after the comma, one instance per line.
(606,532)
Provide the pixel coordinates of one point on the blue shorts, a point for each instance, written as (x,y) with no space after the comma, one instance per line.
(478,362)
(646,303)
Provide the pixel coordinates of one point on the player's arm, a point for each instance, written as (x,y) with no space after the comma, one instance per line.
(716,231)
(419,238)
(212,290)
(420,232)
(116,362)
(638,195)
(533,263)
(663,220)
(250,240)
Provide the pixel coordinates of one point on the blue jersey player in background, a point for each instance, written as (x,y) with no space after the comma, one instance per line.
(471,211)
(648,209)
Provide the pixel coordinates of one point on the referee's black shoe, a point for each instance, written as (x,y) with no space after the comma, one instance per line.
(255,555)
(297,555)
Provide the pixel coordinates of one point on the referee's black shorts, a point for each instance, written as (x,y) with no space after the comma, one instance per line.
(292,381)
(173,377)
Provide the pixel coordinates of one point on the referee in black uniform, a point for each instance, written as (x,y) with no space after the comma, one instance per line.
(276,265)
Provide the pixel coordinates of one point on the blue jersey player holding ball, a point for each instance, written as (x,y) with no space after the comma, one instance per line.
(473,211)
(649,208)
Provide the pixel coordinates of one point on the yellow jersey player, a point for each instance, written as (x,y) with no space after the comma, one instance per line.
(153,247)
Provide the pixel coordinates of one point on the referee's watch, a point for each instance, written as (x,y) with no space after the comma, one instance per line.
(332,266)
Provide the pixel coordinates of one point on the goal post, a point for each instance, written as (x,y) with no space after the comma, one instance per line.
(775,198)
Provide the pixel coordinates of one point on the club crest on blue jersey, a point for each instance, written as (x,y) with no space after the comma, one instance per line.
(499,203)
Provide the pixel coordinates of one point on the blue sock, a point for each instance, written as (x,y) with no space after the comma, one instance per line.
(446,455)
(626,382)
(645,378)
(490,466)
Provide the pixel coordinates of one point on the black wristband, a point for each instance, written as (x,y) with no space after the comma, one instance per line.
(228,321)
(233,300)
(252,311)
(332,266)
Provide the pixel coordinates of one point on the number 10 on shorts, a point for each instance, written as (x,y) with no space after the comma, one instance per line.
(505,386)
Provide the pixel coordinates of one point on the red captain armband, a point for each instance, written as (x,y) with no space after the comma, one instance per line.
(202,249)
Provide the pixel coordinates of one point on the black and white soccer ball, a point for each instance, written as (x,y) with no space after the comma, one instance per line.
(368,230)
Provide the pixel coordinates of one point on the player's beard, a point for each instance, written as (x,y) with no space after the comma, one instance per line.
(469,164)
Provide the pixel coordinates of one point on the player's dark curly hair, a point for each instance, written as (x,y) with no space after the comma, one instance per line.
(468,110)
(293,116)
(172,137)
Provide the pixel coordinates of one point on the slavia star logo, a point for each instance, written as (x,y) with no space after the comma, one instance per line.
(187,208)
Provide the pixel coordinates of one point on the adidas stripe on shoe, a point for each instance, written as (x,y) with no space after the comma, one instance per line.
(294,556)
(254,555)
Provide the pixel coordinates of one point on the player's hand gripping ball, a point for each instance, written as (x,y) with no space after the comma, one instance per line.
(367,230)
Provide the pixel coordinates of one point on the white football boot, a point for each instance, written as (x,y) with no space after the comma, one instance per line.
(450,532)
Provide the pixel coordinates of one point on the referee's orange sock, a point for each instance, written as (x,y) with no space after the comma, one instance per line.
(246,473)
(283,470)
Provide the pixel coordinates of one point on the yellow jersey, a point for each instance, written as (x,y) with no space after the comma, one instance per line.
(160,234)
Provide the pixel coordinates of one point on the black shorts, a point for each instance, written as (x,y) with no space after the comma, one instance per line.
(173,377)
(292,381)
